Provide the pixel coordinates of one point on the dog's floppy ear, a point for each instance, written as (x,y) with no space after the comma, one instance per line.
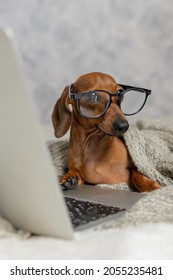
(61,116)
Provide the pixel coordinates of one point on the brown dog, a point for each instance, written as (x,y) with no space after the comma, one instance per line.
(97,153)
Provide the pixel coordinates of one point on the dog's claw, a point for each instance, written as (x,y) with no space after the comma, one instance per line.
(67,185)
(74,181)
(71,183)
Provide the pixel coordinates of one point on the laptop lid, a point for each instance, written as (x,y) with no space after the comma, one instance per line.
(30,197)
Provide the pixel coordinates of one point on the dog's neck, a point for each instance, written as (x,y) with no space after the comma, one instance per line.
(88,134)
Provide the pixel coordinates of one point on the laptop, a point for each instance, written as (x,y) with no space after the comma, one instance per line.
(30,195)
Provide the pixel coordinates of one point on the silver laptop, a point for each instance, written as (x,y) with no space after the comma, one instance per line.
(30,195)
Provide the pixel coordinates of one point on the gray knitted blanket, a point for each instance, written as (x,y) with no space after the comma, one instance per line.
(150,144)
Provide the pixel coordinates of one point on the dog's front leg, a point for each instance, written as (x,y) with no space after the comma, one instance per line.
(71,179)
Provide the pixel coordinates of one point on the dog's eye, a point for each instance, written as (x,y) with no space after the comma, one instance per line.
(91,97)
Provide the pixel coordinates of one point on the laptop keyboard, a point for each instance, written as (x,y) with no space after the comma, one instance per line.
(82,212)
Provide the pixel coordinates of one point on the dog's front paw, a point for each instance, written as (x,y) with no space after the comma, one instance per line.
(70,180)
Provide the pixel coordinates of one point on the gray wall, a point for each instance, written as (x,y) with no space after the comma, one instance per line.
(61,39)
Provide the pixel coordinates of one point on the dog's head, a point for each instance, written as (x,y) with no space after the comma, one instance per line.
(93,109)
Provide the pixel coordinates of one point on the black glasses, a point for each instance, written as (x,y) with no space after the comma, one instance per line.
(94,103)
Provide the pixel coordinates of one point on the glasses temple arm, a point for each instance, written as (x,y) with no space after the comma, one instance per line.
(148,91)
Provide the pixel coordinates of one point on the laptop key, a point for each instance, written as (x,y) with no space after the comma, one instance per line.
(82,212)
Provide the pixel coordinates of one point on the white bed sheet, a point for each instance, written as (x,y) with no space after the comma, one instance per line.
(148,241)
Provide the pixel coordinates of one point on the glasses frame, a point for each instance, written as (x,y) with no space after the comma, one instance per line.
(120,93)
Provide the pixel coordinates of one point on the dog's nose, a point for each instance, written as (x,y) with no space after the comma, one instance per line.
(120,126)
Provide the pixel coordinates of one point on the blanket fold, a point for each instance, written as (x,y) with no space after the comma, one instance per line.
(150,145)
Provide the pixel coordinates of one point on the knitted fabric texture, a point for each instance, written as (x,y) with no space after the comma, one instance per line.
(150,145)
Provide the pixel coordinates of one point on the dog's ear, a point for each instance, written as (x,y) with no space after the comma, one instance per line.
(61,116)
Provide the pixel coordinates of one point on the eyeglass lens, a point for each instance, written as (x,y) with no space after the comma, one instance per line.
(132,101)
(94,104)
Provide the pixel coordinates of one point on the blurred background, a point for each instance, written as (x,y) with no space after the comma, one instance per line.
(60,40)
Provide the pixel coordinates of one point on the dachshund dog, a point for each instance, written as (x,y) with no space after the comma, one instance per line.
(97,152)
